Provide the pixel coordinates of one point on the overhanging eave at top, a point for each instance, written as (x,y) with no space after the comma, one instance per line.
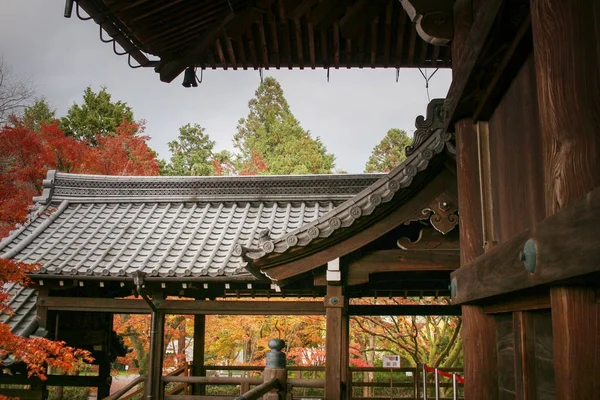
(242,34)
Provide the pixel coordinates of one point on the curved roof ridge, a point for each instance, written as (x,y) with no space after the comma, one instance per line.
(429,140)
(82,188)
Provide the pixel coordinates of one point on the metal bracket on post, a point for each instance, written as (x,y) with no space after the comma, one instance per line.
(138,281)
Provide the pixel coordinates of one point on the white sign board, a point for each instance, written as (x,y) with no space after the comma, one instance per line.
(391,361)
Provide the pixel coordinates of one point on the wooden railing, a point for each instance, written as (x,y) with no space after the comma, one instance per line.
(123,393)
(401,383)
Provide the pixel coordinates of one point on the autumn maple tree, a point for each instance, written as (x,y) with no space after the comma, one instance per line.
(36,353)
(29,147)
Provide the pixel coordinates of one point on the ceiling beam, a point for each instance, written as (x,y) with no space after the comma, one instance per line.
(171,69)
(403,310)
(235,24)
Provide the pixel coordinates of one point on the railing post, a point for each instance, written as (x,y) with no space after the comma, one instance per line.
(454,388)
(437,384)
(424,383)
(275,368)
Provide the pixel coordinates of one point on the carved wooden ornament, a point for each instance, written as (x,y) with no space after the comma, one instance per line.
(441,213)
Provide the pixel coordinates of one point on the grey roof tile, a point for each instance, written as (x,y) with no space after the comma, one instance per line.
(23,321)
(167,226)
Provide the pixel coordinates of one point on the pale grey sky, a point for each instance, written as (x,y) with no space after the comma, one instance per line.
(351,113)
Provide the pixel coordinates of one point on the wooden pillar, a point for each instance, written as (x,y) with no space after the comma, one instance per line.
(154,386)
(199,343)
(336,365)
(478,331)
(104,373)
(567,52)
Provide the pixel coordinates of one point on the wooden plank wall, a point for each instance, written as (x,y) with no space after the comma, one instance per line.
(524,339)
(517,165)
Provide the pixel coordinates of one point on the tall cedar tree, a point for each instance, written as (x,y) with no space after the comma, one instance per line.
(97,116)
(271,141)
(389,153)
(192,154)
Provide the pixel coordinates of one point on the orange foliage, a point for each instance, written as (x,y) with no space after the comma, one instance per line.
(36,353)
(25,156)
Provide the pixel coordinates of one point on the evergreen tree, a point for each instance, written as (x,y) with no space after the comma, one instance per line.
(389,153)
(36,114)
(97,115)
(192,153)
(270,139)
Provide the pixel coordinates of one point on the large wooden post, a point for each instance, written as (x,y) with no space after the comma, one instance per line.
(154,387)
(478,331)
(199,343)
(567,53)
(336,353)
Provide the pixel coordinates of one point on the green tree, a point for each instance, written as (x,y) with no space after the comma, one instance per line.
(389,153)
(36,114)
(97,115)
(191,153)
(270,139)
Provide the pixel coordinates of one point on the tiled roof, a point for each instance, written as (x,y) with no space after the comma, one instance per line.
(430,140)
(89,225)
(23,321)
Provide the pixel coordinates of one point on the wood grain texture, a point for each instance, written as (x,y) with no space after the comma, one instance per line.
(568,78)
(505,350)
(334,387)
(567,247)
(516,158)
(469,204)
(544,356)
(575,332)
(479,341)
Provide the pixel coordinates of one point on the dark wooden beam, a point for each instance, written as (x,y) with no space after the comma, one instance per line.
(220,53)
(527,301)
(230,52)
(263,43)
(566,246)
(311,42)
(496,26)
(235,24)
(400,38)
(374,27)
(274,36)
(198,356)
(509,66)
(327,12)
(170,70)
(287,46)
(208,307)
(336,327)
(401,260)
(299,44)
(403,310)
(301,9)
(99,17)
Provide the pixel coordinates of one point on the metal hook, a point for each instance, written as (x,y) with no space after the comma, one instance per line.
(327,74)
(129,62)
(201,75)
(102,35)
(260,73)
(397,74)
(115,49)
(79,15)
